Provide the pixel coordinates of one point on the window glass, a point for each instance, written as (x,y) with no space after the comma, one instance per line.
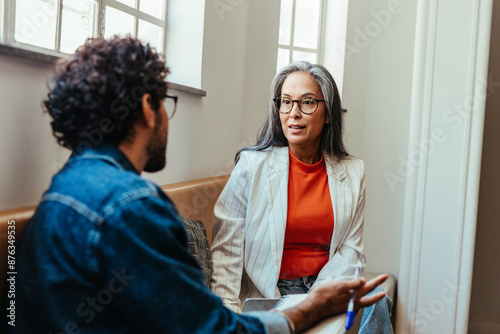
(307,14)
(118,23)
(78,23)
(76,4)
(285,22)
(283,58)
(63,25)
(36,22)
(1,22)
(153,7)
(306,56)
(300,26)
(151,33)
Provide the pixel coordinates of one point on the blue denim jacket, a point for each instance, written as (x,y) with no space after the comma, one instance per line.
(106,252)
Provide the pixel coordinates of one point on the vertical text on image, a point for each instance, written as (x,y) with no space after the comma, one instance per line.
(11,273)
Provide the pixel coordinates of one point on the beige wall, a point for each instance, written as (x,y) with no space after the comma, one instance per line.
(485,299)
(28,152)
(377,94)
(261,56)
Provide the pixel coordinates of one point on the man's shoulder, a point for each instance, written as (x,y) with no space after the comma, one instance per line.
(99,185)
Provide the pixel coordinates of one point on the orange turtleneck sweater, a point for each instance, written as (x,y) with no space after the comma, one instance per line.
(310,221)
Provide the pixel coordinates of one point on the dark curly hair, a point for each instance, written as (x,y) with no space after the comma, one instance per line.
(96,95)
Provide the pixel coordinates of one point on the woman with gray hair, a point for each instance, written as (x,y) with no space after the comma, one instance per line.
(291,215)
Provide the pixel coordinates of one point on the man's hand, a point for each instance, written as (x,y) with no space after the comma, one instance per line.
(332,298)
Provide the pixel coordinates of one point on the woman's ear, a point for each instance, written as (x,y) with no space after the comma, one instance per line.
(148,113)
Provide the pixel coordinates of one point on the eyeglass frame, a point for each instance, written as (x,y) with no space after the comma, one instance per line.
(298,103)
(175,98)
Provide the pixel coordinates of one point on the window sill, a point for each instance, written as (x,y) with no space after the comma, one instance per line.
(187,89)
(51,59)
(27,54)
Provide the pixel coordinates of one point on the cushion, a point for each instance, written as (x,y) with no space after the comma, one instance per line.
(198,245)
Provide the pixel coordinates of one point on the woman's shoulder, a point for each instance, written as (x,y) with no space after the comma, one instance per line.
(258,162)
(350,163)
(256,157)
(351,159)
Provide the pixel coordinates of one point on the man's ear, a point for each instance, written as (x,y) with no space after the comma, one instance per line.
(148,113)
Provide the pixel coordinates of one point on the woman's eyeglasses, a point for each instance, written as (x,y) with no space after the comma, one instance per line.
(307,105)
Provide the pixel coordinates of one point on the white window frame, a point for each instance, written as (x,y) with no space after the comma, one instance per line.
(137,14)
(2,16)
(9,14)
(318,51)
(8,46)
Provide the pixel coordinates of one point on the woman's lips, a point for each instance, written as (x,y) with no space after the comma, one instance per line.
(295,128)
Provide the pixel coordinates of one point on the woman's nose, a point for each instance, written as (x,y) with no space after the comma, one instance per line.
(295,112)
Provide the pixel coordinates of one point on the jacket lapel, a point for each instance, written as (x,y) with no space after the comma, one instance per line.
(341,196)
(278,202)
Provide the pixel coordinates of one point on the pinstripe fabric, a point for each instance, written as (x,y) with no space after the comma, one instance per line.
(250,220)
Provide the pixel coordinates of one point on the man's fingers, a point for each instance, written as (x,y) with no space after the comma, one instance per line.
(369,300)
(355,284)
(377,280)
(372,284)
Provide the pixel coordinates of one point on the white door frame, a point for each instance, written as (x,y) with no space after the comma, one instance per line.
(446,133)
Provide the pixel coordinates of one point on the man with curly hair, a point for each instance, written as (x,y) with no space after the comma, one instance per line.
(106,251)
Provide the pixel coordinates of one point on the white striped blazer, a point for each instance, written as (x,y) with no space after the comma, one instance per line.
(250,219)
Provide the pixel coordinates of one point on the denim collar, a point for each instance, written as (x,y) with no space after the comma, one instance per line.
(106,152)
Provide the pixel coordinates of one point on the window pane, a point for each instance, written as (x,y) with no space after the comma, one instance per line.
(306,23)
(307,56)
(152,34)
(76,4)
(1,20)
(285,22)
(36,23)
(283,58)
(154,8)
(130,3)
(118,23)
(78,23)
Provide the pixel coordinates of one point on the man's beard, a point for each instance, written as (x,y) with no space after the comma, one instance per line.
(157,152)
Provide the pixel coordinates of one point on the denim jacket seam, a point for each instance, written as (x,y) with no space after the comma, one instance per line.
(148,189)
(125,199)
(95,218)
(74,204)
(100,157)
(153,187)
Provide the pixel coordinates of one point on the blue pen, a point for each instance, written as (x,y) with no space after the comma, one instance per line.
(350,315)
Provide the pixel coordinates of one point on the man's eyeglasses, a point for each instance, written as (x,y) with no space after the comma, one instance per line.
(170,105)
(307,105)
